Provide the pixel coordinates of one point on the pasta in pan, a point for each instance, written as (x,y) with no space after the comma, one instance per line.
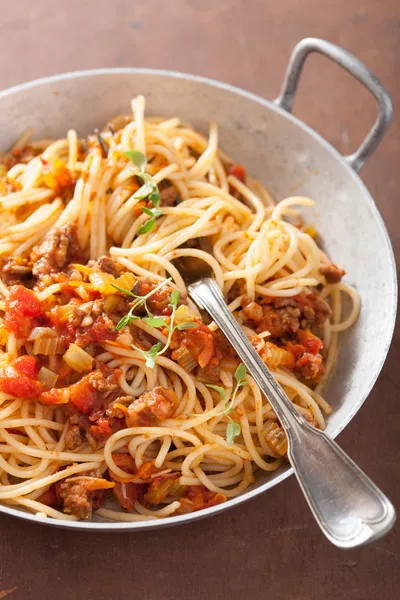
(118,397)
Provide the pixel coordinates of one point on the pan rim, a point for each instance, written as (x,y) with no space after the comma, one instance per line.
(104,526)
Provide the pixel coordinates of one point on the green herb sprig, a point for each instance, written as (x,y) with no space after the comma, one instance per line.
(150,223)
(138,158)
(233,428)
(149,188)
(153,321)
(139,301)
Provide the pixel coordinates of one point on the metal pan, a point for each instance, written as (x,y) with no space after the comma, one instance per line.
(286,155)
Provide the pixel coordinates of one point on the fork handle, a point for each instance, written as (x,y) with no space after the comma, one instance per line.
(347,505)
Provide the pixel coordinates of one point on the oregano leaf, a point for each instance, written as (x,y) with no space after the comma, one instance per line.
(240,374)
(175,298)
(147,226)
(232,431)
(155,321)
(221,391)
(138,158)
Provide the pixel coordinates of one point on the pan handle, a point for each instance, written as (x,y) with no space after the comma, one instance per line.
(356,68)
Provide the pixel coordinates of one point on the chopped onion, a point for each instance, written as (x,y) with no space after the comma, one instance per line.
(126,281)
(184,314)
(66,312)
(47,377)
(82,268)
(101,282)
(81,291)
(75,275)
(39,332)
(275,357)
(111,302)
(78,359)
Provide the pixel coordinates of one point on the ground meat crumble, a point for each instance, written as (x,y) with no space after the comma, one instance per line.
(57,250)
(81,495)
(285,316)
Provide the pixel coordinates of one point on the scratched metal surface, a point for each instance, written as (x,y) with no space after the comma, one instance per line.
(269,546)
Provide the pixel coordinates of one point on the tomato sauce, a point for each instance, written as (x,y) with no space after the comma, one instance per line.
(86,399)
(200,343)
(100,331)
(198,497)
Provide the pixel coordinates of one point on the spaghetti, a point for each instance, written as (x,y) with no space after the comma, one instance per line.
(118,398)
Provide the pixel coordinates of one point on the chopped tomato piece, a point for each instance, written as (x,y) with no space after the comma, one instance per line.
(125,462)
(26,365)
(64,371)
(198,497)
(24,301)
(102,429)
(18,385)
(49,497)
(203,498)
(19,379)
(128,493)
(310,366)
(145,470)
(297,350)
(311,342)
(238,171)
(87,395)
(55,396)
(20,308)
(84,396)
(81,394)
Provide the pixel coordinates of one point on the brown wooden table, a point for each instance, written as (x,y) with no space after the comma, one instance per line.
(269,547)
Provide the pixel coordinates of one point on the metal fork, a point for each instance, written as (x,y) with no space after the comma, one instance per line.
(346,504)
